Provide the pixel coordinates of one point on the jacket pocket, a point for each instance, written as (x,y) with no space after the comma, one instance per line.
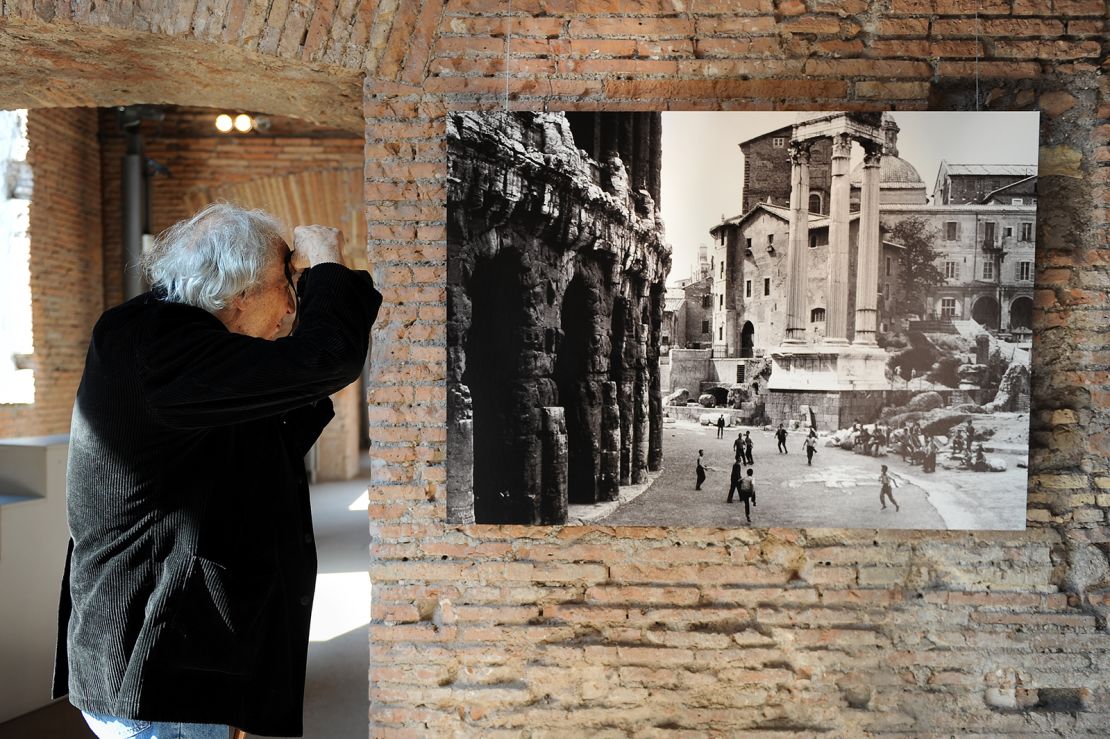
(218,623)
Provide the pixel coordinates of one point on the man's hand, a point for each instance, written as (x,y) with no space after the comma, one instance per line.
(314,245)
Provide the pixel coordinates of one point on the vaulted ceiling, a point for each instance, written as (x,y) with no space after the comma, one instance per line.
(305,59)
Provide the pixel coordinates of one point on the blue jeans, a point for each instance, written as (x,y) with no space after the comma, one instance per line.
(109,727)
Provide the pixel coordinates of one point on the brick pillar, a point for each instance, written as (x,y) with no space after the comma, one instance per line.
(867,261)
(797,307)
(836,305)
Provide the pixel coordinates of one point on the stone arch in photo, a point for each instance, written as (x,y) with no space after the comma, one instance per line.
(1021,312)
(985,311)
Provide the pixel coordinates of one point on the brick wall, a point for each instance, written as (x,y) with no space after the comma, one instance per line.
(65,264)
(573,631)
(576,631)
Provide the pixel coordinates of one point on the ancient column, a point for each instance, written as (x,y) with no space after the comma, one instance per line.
(460,455)
(609,472)
(836,306)
(867,259)
(640,417)
(655,393)
(654,168)
(797,307)
(553,502)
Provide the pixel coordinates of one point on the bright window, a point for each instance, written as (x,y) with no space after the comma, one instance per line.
(1027,232)
(947,307)
(1024,270)
(951,270)
(988,270)
(17,385)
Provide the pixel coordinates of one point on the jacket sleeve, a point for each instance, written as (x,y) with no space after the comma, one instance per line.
(197,374)
(304,425)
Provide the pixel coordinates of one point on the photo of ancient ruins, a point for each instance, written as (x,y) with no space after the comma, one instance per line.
(740,319)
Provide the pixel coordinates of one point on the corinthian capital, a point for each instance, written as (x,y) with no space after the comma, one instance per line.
(872,154)
(841,145)
(799,152)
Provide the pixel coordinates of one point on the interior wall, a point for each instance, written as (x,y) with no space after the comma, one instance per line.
(745,632)
(65,263)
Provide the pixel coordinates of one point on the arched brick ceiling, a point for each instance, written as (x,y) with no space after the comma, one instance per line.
(288,57)
(388,39)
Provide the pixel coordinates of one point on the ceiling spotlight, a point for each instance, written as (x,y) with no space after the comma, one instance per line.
(223,123)
(243,123)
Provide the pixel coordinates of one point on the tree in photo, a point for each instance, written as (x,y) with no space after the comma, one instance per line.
(917,265)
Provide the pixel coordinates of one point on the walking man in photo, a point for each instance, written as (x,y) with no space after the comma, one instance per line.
(734,479)
(781,436)
(748,447)
(811,446)
(700,471)
(885,482)
(721,426)
(740,447)
(747,494)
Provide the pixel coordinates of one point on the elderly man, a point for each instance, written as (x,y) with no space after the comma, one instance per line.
(188,586)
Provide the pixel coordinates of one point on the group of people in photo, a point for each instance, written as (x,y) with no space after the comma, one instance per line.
(907,440)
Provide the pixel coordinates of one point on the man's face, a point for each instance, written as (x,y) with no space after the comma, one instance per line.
(267,311)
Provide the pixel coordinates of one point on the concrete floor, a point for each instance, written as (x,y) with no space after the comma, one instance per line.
(839,490)
(336,684)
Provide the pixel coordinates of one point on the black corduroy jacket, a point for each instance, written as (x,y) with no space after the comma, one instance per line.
(189,580)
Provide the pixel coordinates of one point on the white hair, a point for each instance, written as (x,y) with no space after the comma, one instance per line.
(207,260)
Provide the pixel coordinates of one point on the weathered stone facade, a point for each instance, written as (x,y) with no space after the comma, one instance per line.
(556,267)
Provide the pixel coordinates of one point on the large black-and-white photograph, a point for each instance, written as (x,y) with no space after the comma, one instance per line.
(725,319)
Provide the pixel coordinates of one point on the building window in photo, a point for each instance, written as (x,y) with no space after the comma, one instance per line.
(1026,232)
(1024,270)
(951,270)
(951,230)
(766,285)
(817,315)
(707,301)
(947,308)
(778,142)
(705,327)
(988,270)
(747,288)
